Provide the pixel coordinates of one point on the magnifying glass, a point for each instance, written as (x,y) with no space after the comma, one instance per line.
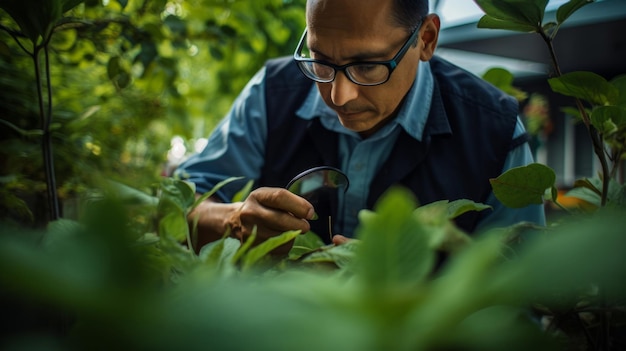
(318,178)
(320,186)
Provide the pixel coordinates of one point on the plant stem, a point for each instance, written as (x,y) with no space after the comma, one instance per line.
(596,138)
(46,119)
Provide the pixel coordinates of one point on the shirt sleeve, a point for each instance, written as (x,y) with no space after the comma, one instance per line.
(235,148)
(501,215)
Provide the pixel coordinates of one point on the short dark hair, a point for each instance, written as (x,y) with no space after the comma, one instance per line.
(408,13)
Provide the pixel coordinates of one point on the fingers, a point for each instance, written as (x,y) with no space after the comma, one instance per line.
(283,200)
(340,239)
(273,211)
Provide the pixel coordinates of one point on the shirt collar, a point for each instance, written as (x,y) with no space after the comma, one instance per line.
(411,117)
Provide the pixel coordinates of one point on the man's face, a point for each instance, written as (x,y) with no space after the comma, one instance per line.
(346,31)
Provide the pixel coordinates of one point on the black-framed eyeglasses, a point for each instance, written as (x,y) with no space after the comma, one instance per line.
(366,73)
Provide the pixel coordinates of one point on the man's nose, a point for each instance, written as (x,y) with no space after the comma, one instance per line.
(343,90)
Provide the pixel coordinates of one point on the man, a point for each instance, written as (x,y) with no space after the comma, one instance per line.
(364,93)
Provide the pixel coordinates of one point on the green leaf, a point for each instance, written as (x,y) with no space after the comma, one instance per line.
(590,190)
(213,191)
(520,15)
(242,194)
(499,77)
(395,249)
(176,195)
(219,254)
(70,4)
(20,131)
(174,224)
(130,195)
(587,86)
(34,17)
(567,9)
(585,252)
(608,119)
(619,82)
(522,186)
(437,218)
(123,3)
(340,255)
(258,252)
(489,22)
(305,243)
(459,207)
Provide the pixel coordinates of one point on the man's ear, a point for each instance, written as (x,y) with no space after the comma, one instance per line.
(429,36)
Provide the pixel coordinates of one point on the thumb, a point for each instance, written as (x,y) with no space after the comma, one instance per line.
(340,239)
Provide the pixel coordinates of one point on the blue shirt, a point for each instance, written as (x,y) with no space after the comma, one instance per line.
(237,148)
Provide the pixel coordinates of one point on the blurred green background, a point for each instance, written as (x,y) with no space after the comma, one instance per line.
(129,78)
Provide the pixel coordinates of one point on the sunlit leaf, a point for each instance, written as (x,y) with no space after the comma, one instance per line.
(522,186)
(587,86)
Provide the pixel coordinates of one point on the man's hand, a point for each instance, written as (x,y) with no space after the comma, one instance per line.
(340,239)
(273,211)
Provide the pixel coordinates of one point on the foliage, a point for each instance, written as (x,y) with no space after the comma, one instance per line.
(126,273)
(146,291)
(144,71)
(585,317)
(600,103)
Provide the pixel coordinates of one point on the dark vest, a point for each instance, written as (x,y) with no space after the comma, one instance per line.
(466,140)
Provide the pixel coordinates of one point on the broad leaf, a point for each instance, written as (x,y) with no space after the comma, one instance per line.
(489,22)
(589,190)
(437,217)
(219,254)
(522,186)
(176,195)
(70,4)
(340,255)
(395,249)
(609,119)
(34,17)
(459,207)
(258,252)
(620,83)
(522,11)
(567,9)
(242,194)
(213,191)
(174,224)
(587,86)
